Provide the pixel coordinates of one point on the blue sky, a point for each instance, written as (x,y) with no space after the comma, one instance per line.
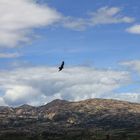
(104,35)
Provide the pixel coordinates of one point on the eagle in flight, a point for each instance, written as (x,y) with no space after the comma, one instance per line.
(62,66)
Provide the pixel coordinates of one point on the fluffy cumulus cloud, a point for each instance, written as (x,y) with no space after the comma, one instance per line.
(135,29)
(39,85)
(104,15)
(20,94)
(18,17)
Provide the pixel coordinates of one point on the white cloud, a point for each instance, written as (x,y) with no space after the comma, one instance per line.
(108,15)
(38,85)
(131,97)
(18,17)
(78,24)
(20,94)
(135,29)
(2,102)
(133,64)
(104,15)
(9,55)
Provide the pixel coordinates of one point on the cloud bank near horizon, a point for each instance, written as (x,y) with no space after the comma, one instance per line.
(39,85)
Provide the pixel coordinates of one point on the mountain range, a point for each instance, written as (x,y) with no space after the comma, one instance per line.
(92,119)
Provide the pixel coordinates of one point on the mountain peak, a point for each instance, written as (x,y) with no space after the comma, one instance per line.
(57,102)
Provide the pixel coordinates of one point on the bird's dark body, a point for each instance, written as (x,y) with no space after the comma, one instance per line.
(62,66)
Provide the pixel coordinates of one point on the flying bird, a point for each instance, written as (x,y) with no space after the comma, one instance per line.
(62,66)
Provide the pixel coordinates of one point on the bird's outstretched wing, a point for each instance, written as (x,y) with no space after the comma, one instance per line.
(62,64)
